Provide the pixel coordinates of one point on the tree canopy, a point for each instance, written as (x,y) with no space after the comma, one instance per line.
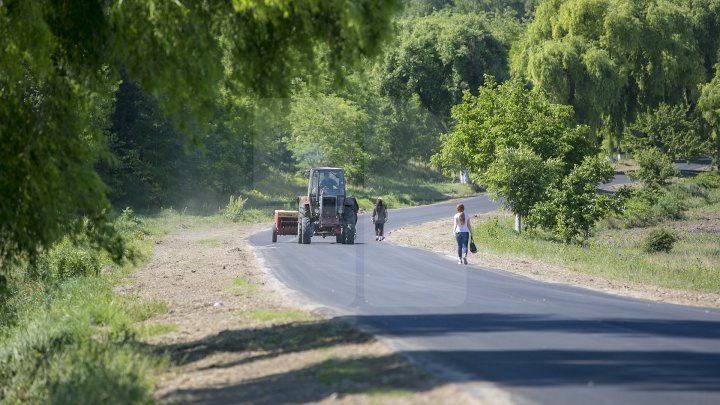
(440,56)
(510,115)
(62,61)
(612,59)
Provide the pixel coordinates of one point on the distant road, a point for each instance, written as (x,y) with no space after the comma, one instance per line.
(541,343)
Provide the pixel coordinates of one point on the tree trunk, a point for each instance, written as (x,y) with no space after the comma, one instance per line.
(517,223)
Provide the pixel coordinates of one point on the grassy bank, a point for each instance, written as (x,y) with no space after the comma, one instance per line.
(693,264)
(66,337)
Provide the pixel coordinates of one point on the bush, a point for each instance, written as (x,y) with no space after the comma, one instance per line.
(67,260)
(708,180)
(670,206)
(638,213)
(234,211)
(659,240)
(129,226)
(655,168)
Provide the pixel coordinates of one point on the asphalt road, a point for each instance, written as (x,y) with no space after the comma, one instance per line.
(541,343)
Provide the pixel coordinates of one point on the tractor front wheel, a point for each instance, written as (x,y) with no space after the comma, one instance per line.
(274,235)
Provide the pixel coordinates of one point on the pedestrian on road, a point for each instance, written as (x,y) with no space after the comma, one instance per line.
(462,229)
(379,218)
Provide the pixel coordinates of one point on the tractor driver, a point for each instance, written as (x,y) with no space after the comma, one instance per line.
(327,184)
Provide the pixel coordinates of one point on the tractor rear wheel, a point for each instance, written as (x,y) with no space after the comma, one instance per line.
(307,230)
(350,218)
(274,236)
(340,238)
(350,234)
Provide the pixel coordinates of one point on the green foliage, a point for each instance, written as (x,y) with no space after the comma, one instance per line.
(329,131)
(670,206)
(709,106)
(611,59)
(72,343)
(519,177)
(130,226)
(612,254)
(573,205)
(440,56)
(235,209)
(518,8)
(669,129)
(637,212)
(510,115)
(67,260)
(62,62)
(655,168)
(708,180)
(659,240)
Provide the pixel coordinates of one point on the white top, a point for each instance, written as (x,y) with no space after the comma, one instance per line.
(457,227)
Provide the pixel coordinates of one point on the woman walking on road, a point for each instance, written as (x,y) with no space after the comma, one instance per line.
(379,217)
(462,229)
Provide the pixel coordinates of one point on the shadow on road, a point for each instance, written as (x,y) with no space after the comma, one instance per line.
(428,325)
(637,367)
(290,379)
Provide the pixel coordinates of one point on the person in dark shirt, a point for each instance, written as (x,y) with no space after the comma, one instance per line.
(379,218)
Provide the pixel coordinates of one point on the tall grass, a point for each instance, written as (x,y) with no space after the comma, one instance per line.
(67,338)
(74,342)
(693,264)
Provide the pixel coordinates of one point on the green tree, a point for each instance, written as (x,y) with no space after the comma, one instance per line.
(709,106)
(329,131)
(440,56)
(672,129)
(519,177)
(573,205)
(655,168)
(611,59)
(510,115)
(61,62)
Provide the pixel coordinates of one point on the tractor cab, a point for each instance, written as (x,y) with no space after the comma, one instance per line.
(326,181)
(327,195)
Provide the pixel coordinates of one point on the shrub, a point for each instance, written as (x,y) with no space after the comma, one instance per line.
(659,240)
(637,213)
(130,226)
(234,211)
(670,206)
(67,260)
(708,180)
(655,168)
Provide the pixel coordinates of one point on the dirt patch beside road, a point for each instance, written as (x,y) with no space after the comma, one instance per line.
(435,236)
(236,338)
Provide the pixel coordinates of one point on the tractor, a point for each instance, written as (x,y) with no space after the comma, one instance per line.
(324,211)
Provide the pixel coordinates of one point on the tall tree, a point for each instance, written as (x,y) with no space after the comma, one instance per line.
(709,106)
(611,59)
(441,56)
(510,115)
(61,62)
(330,131)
